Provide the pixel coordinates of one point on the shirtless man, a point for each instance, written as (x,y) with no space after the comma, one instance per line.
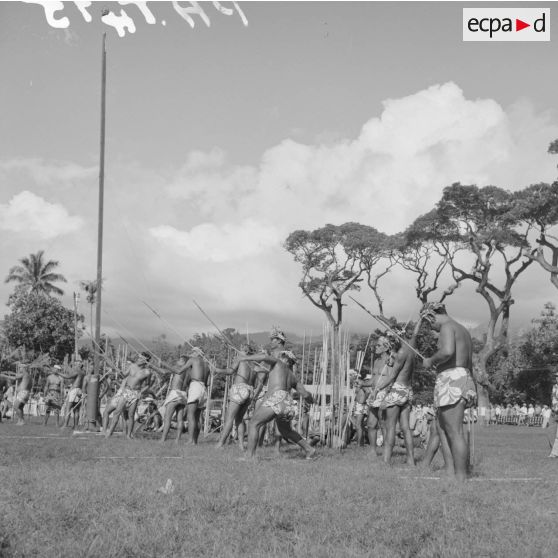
(244,389)
(197,376)
(398,399)
(113,404)
(455,389)
(131,392)
(75,395)
(360,410)
(53,394)
(380,370)
(22,394)
(176,400)
(278,403)
(262,371)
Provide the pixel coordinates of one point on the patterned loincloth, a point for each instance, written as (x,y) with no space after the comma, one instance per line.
(197,393)
(52,400)
(282,404)
(116,398)
(130,396)
(241,393)
(360,409)
(399,395)
(377,400)
(452,385)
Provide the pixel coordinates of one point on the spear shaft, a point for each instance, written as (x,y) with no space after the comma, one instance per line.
(388,328)
(223,335)
(177,333)
(227,340)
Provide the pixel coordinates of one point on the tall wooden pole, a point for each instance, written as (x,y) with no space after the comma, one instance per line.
(93,385)
(76,300)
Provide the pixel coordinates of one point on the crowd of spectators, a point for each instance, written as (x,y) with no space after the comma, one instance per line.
(518,415)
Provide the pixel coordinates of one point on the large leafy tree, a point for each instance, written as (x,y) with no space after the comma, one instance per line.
(374,251)
(425,249)
(537,207)
(335,259)
(329,268)
(483,220)
(37,275)
(40,324)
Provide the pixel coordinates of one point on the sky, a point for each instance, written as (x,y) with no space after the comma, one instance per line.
(223,139)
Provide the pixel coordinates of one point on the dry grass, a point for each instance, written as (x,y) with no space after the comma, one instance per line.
(61,499)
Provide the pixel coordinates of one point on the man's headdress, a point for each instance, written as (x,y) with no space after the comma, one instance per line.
(392,339)
(196,352)
(288,355)
(276,333)
(430,309)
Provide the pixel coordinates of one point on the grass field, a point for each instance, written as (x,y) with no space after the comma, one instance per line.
(64,495)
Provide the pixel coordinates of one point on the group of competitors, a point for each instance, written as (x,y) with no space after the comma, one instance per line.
(384,397)
(265,381)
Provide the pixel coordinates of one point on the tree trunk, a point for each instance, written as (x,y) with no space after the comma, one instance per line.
(480,372)
(334,438)
(335,368)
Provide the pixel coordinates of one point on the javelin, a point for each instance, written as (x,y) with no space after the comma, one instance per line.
(227,340)
(134,337)
(177,333)
(388,328)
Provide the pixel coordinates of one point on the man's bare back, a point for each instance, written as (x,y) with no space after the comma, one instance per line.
(25,378)
(457,341)
(245,374)
(281,377)
(199,370)
(404,366)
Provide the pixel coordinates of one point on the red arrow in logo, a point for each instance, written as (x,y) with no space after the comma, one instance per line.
(519,25)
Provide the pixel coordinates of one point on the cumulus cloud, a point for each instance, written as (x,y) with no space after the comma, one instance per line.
(206,181)
(219,243)
(27,212)
(393,171)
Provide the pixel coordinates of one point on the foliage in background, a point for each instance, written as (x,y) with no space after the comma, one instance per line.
(526,372)
(40,323)
(37,276)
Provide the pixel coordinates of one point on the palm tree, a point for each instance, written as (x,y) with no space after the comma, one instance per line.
(36,275)
(90,288)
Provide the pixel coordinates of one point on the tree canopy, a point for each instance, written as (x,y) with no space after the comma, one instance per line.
(334,260)
(36,275)
(40,323)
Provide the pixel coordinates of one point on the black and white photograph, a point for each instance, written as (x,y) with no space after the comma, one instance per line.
(279,279)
